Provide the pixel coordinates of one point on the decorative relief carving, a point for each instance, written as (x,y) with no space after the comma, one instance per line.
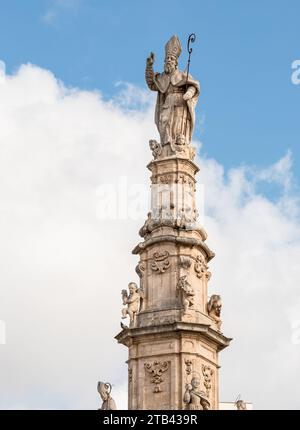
(155,148)
(165,179)
(214,307)
(140,269)
(194,398)
(133,302)
(188,366)
(207,373)
(129,375)
(156,369)
(160,262)
(185,262)
(185,179)
(154,179)
(187,293)
(201,268)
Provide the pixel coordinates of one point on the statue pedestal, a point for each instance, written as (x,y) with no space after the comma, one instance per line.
(164,358)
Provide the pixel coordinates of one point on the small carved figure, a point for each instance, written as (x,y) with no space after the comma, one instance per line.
(104,389)
(155,148)
(241,405)
(187,292)
(148,226)
(188,366)
(133,301)
(195,398)
(214,307)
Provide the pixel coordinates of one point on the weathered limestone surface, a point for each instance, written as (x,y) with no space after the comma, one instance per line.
(174,335)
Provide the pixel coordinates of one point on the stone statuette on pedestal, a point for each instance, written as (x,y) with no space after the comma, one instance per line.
(174,338)
(108,403)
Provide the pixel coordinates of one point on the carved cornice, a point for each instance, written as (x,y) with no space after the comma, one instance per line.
(186,241)
(178,160)
(127,335)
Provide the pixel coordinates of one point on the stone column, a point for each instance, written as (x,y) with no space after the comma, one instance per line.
(175,336)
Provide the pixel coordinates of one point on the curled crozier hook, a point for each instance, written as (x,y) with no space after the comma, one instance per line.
(191,39)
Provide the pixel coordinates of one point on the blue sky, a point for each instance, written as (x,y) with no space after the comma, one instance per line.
(242,58)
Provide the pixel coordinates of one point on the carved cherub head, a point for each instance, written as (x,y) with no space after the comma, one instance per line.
(195,382)
(180,139)
(215,305)
(132,286)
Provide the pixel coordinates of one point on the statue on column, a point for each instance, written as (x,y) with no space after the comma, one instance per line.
(177,96)
(187,294)
(104,389)
(240,404)
(133,301)
(194,398)
(214,307)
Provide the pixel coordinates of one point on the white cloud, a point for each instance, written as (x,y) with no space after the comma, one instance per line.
(2,71)
(63,267)
(59,7)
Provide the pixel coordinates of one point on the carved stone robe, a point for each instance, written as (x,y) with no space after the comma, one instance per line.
(174,117)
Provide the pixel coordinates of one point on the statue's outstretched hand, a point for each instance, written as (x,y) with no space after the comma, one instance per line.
(151,59)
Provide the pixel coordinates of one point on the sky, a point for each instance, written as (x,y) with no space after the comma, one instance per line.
(242,56)
(76,116)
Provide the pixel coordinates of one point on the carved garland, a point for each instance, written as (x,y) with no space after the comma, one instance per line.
(201,268)
(207,373)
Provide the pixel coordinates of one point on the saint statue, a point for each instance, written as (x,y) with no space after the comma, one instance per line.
(104,389)
(194,398)
(241,405)
(176,99)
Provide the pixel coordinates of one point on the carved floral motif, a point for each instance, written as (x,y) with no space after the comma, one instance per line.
(207,373)
(201,268)
(140,269)
(160,262)
(156,369)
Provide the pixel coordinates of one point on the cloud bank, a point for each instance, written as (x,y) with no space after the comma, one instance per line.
(63,264)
